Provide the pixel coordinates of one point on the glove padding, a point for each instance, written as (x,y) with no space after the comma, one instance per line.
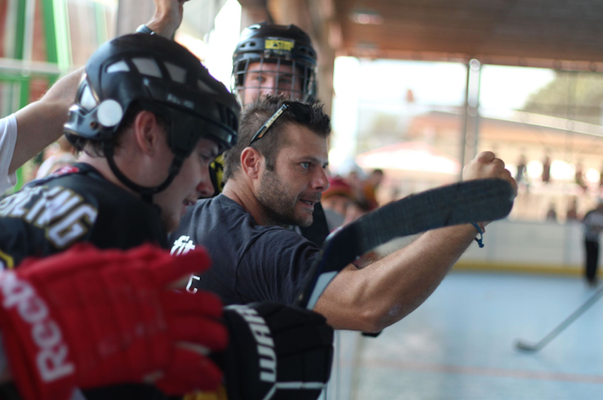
(276,352)
(89,318)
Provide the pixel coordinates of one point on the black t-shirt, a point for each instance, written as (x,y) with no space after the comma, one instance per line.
(250,262)
(74,205)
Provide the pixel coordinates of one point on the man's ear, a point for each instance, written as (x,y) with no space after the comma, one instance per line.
(251,161)
(147,132)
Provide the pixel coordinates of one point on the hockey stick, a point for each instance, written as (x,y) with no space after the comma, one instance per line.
(520,344)
(460,203)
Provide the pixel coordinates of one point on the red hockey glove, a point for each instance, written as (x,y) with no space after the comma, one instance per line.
(89,318)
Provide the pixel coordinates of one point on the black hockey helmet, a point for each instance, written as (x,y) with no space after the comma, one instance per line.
(158,75)
(277,44)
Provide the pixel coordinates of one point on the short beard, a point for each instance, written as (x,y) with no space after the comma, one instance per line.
(277,206)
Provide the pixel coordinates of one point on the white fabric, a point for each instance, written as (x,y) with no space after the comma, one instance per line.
(8,138)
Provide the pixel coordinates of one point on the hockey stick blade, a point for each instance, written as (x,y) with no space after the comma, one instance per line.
(460,203)
(521,345)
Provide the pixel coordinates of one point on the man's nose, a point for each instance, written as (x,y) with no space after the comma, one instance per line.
(268,89)
(321,182)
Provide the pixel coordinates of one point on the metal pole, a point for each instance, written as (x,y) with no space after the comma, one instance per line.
(465,120)
(477,73)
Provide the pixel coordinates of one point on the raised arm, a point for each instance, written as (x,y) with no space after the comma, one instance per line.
(389,289)
(167,18)
(41,122)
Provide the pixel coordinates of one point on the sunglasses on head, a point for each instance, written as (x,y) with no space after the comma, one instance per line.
(300,111)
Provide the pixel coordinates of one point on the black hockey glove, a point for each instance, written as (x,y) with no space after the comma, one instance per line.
(276,352)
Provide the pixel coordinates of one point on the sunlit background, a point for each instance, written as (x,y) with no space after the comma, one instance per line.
(405,117)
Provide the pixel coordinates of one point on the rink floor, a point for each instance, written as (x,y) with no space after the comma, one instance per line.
(460,344)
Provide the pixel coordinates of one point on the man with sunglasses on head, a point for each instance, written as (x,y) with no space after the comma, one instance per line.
(274,176)
(279,60)
(270,59)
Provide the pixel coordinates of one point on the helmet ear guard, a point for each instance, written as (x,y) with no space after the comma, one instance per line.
(91,119)
(160,76)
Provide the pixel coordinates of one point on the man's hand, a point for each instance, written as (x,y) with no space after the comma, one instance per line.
(89,318)
(167,18)
(485,166)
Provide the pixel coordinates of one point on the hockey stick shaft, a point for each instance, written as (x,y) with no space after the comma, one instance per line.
(522,345)
(460,203)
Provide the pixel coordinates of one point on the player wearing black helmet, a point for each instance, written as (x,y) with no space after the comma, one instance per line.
(148,120)
(271,59)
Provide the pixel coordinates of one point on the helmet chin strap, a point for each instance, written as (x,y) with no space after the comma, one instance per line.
(145,192)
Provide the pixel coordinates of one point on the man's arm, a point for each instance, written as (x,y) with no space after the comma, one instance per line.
(167,18)
(41,122)
(389,289)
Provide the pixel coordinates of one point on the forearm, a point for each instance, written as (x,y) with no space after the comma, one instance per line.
(41,123)
(386,291)
(167,17)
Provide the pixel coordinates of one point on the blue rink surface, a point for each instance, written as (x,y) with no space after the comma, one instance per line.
(460,343)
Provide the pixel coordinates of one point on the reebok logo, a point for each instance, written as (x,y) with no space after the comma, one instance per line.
(20,297)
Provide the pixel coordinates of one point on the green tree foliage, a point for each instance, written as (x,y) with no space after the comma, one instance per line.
(573,95)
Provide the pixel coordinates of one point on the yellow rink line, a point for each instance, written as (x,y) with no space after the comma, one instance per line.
(571,270)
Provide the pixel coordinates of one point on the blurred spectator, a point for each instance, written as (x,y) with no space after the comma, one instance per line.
(521,177)
(579,177)
(521,169)
(369,189)
(593,224)
(335,201)
(551,214)
(546,169)
(60,155)
(354,211)
(572,210)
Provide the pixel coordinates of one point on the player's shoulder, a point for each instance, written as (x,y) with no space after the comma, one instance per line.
(284,239)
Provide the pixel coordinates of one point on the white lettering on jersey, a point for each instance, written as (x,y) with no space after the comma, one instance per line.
(14,204)
(71,227)
(189,286)
(59,211)
(58,206)
(41,203)
(51,357)
(182,245)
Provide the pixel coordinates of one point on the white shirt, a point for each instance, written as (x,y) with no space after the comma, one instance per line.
(8,139)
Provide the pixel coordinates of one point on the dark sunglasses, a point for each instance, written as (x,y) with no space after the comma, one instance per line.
(301,112)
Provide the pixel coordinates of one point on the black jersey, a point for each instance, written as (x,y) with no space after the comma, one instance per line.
(73,205)
(76,204)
